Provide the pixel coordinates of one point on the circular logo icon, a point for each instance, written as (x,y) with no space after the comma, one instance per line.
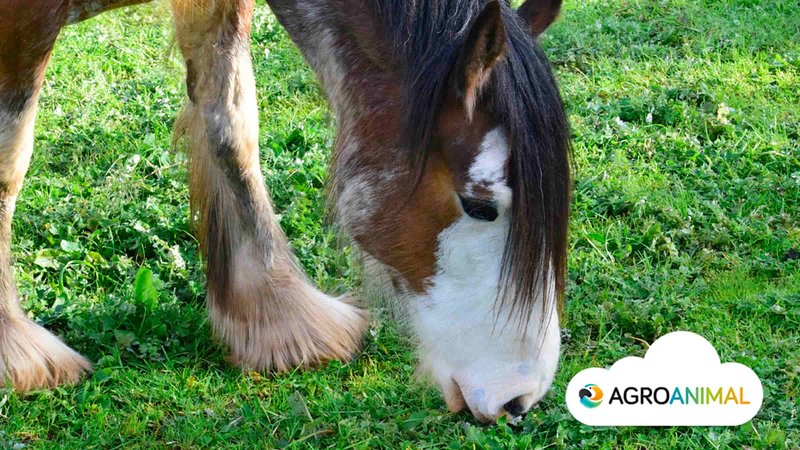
(591,396)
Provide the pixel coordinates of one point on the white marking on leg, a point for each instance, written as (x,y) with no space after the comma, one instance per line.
(16,141)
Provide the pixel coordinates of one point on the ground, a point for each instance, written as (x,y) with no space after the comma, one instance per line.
(686,216)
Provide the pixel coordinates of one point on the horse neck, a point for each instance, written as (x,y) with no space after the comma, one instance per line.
(336,38)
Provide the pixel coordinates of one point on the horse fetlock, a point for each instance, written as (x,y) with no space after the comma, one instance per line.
(273,319)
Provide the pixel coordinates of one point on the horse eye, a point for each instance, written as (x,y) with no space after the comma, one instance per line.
(479,209)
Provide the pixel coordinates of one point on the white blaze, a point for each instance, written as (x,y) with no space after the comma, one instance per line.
(489,167)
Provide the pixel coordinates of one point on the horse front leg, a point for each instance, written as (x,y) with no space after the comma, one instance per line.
(30,357)
(260,302)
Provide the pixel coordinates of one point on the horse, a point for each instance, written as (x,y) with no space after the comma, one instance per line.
(450,173)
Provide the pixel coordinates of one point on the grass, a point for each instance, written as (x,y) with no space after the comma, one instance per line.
(686,213)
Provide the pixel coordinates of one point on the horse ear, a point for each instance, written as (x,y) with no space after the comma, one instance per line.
(539,14)
(483,48)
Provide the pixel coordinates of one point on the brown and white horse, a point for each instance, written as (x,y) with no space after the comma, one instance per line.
(450,173)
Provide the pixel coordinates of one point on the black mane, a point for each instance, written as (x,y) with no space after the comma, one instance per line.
(522,96)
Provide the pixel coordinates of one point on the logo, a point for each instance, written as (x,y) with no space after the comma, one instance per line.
(591,396)
(679,382)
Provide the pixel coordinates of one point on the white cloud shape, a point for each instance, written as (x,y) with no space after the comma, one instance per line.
(680,381)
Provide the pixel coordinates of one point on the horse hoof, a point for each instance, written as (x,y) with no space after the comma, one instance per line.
(33,358)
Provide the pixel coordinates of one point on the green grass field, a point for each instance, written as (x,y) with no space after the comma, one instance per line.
(686,125)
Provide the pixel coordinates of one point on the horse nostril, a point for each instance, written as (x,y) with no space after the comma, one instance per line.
(514,407)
